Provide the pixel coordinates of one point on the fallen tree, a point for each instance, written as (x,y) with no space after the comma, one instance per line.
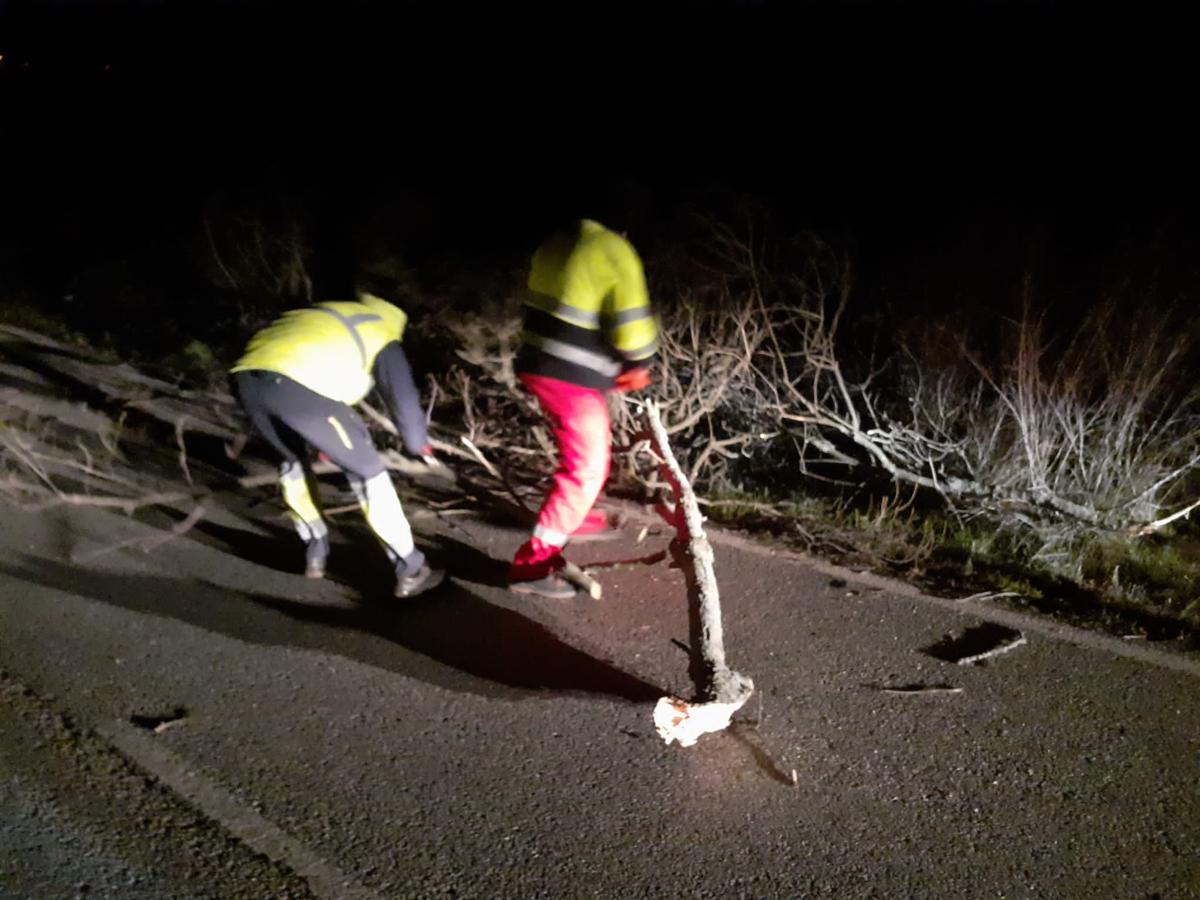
(1096,433)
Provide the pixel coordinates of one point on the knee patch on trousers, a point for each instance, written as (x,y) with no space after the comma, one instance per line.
(303,509)
(381,508)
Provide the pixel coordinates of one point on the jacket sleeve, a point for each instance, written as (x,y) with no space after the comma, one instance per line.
(634,332)
(394,379)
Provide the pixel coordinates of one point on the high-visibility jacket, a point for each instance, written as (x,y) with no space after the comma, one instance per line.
(330,348)
(588,315)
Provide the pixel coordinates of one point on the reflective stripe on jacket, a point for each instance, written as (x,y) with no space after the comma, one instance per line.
(330,348)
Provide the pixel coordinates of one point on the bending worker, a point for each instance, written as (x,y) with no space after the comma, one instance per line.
(589,329)
(297,382)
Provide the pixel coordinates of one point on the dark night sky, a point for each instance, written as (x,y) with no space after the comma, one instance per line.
(963,127)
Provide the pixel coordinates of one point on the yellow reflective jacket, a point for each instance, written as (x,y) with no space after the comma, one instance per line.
(588,313)
(329,348)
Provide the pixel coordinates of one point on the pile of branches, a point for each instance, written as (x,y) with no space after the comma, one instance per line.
(80,430)
(1099,433)
(1095,436)
(66,428)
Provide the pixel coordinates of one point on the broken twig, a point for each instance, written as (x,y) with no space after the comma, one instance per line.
(150,542)
(1151,527)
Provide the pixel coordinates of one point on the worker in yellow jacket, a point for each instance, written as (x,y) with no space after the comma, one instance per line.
(589,329)
(297,381)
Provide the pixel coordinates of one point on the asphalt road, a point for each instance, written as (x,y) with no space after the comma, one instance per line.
(195,720)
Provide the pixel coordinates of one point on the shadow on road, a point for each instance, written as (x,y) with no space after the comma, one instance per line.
(766,764)
(450,637)
(356,559)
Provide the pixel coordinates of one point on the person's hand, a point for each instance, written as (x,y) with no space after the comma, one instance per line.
(434,465)
(633,379)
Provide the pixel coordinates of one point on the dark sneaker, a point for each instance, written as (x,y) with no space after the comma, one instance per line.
(553,586)
(419,581)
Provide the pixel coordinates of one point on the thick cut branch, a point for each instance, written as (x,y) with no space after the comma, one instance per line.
(720,691)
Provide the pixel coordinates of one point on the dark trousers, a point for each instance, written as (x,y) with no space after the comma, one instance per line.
(290,416)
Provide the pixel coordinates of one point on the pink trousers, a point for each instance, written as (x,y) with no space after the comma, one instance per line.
(578,417)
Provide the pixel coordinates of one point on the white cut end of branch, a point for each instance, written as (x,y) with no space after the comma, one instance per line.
(678,720)
(581,580)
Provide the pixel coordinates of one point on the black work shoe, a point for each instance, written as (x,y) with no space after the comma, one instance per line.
(553,586)
(419,581)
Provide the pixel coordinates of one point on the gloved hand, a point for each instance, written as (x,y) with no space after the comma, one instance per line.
(633,379)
